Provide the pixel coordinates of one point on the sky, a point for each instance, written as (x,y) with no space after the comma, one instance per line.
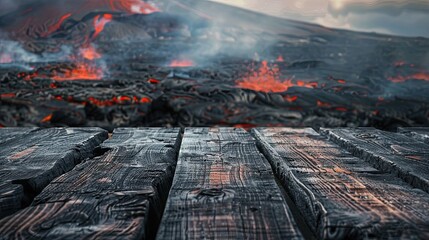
(396,17)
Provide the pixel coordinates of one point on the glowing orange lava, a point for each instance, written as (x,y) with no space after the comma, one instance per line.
(82,71)
(280,58)
(118,100)
(181,63)
(89,53)
(99,22)
(48,118)
(267,79)
(417,76)
(290,98)
(56,26)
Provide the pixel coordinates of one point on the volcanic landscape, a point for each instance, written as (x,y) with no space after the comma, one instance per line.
(199,63)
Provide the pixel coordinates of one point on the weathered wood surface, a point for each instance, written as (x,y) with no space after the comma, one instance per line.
(406,157)
(419,133)
(341,196)
(224,189)
(8,134)
(30,158)
(119,195)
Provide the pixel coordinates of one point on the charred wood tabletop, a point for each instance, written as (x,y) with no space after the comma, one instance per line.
(214,183)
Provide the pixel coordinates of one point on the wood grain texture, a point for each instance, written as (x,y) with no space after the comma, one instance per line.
(419,133)
(119,195)
(30,158)
(224,188)
(341,196)
(10,133)
(406,157)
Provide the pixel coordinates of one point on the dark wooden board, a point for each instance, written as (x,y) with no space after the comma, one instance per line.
(406,157)
(30,158)
(224,188)
(118,195)
(10,133)
(419,133)
(341,196)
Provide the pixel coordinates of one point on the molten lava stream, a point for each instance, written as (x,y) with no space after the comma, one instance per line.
(417,76)
(267,79)
(181,63)
(82,71)
(99,22)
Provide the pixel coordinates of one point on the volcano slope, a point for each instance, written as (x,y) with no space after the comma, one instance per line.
(197,63)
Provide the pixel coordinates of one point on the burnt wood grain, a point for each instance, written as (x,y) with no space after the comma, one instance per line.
(224,188)
(10,133)
(118,195)
(404,156)
(30,158)
(341,196)
(419,133)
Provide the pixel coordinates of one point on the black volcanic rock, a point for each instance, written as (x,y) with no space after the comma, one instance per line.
(199,63)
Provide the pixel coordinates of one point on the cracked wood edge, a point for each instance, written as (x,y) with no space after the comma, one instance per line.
(396,153)
(120,194)
(419,133)
(30,158)
(339,195)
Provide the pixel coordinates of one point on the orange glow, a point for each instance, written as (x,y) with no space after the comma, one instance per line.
(280,58)
(153,80)
(118,100)
(267,79)
(322,104)
(89,53)
(47,118)
(246,126)
(5,58)
(290,98)
(145,100)
(7,95)
(56,26)
(181,63)
(99,22)
(417,76)
(82,71)
(342,81)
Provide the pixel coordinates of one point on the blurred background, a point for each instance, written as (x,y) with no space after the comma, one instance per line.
(397,17)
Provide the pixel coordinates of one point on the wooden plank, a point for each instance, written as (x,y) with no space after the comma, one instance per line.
(10,133)
(119,195)
(419,133)
(341,196)
(30,158)
(224,188)
(391,152)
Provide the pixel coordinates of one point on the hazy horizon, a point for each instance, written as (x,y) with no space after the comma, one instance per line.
(396,17)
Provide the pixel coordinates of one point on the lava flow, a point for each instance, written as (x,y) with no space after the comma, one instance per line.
(181,63)
(81,71)
(267,79)
(417,76)
(99,22)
